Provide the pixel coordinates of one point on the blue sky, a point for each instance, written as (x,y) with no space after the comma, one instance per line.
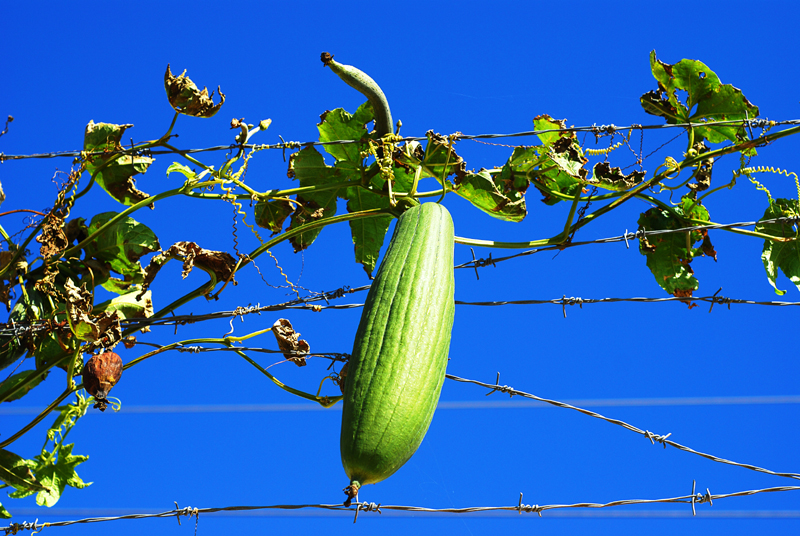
(208,430)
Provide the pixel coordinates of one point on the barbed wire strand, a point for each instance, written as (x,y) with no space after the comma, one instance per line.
(596,129)
(22,328)
(654,438)
(694,499)
(627,237)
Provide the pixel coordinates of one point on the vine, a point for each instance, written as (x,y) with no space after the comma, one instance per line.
(379,175)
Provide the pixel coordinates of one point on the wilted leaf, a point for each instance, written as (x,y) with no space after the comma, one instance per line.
(219,264)
(114,173)
(84,325)
(612,178)
(783,255)
(186,98)
(186,171)
(562,168)
(293,347)
(52,238)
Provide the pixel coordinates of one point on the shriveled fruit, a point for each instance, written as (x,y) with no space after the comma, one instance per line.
(100,374)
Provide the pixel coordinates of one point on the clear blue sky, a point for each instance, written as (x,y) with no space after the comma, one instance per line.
(469,67)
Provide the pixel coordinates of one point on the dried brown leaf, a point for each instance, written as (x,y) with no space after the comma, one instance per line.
(293,347)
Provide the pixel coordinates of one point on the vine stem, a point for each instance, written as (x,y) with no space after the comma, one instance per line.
(40,417)
(324,401)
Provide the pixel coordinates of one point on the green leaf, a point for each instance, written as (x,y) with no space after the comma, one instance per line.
(115,172)
(4,514)
(783,255)
(57,476)
(500,195)
(18,378)
(368,233)
(707,99)
(440,159)
(131,305)
(187,172)
(560,167)
(15,471)
(340,125)
(308,166)
(30,306)
(272,214)
(669,256)
(122,244)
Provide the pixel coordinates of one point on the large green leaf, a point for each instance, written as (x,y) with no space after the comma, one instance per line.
(308,166)
(121,245)
(707,99)
(57,476)
(783,255)
(340,125)
(669,255)
(115,172)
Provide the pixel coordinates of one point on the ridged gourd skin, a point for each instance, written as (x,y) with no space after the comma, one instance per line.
(397,367)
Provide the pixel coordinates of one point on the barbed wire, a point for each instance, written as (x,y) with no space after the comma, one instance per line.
(654,438)
(627,237)
(694,499)
(23,329)
(598,130)
(19,329)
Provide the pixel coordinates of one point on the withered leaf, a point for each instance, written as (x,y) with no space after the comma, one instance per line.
(53,239)
(93,328)
(220,264)
(293,347)
(185,97)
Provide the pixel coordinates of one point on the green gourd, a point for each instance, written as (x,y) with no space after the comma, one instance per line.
(397,368)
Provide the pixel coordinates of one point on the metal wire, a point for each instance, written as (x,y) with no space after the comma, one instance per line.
(595,129)
(654,438)
(641,233)
(363,506)
(21,329)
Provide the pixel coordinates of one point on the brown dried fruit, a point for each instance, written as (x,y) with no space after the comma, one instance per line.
(100,374)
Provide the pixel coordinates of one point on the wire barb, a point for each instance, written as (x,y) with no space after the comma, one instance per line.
(528,507)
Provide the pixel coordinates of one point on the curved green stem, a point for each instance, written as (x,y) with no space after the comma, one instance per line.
(371,213)
(553,241)
(324,401)
(53,405)
(22,385)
